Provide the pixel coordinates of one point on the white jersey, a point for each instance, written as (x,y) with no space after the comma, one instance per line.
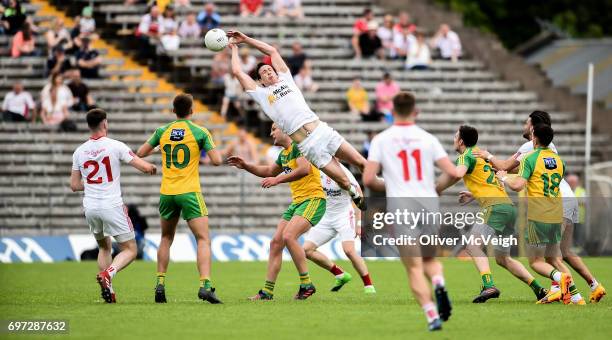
(99,161)
(284,103)
(566,190)
(338,200)
(407,155)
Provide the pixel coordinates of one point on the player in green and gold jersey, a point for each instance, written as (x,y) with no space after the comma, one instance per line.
(498,211)
(306,209)
(181,143)
(541,172)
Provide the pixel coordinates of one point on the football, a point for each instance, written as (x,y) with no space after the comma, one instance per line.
(216,40)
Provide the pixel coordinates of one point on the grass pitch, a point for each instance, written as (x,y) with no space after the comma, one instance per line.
(69,291)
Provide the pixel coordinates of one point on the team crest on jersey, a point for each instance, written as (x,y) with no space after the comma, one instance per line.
(177,135)
(271,99)
(550,163)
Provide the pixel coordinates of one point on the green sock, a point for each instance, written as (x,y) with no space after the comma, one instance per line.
(573,290)
(487,279)
(206,283)
(161,279)
(535,286)
(305,279)
(269,287)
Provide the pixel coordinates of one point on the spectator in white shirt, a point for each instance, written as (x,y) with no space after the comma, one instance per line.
(418,57)
(448,42)
(402,41)
(304,81)
(170,41)
(169,23)
(150,24)
(288,8)
(247,61)
(231,95)
(190,27)
(55,99)
(18,105)
(385,34)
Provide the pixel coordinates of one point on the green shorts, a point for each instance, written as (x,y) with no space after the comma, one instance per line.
(501,217)
(543,233)
(311,209)
(191,204)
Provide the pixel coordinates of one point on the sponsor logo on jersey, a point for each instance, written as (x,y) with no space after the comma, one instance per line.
(94,153)
(177,135)
(550,163)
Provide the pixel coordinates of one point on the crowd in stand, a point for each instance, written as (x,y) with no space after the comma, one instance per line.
(70,58)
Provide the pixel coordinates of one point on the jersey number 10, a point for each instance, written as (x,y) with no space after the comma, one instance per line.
(416,154)
(96,167)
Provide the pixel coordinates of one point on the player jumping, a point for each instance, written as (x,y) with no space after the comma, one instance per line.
(541,172)
(306,209)
(500,214)
(339,219)
(407,155)
(283,102)
(96,169)
(181,143)
(570,209)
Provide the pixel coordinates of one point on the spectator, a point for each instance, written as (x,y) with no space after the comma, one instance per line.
(304,81)
(448,42)
(358,101)
(418,57)
(169,23)
(190,27)
(365,150)
(266,58)
(209,18)
(170,41)
(80,92)
(58,35)
(247,61)
(13,17)
(23,42)
(385,33)
(385,91)
(150,24)
(55,99)
(251,8)
(370,44)
(182,3)
(231,95)
(242,147)
(360,27)
(88,60)
(219,67)
(58,62)
(404,22)
(297,59)
(289,8)
(402,42)
(574,183)
(86,23)
(18,105)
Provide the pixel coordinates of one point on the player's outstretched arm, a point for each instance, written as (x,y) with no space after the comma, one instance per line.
(76,182)
(215,157)
(257,170)
(515,183)
(143,166)
(277,61)
(370,178)
(499,164)
(304,168)
(248,84)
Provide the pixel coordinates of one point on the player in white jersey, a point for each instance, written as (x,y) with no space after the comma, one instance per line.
(339,219)
(570,210)
(96,169)
(282,101)
(407,154)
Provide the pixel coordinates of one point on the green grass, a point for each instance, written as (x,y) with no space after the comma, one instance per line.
(69,291)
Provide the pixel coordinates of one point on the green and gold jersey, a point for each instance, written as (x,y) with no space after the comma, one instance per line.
(181,143)
(306,187)
(480,180)
(544,170)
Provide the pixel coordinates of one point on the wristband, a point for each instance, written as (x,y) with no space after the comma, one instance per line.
(490,157)
(503,179)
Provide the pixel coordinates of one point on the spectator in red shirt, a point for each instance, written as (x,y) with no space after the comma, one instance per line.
(251,8)
(360,27)
(23,42)
(404,22)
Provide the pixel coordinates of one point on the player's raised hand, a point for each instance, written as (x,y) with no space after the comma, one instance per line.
(465,197)
(236,37)
(236,161)
(501,175)
(482,153)
(269,182)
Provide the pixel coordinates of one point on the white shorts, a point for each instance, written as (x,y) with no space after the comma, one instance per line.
(110,222)
(570,209)
(320,145)
(332,225)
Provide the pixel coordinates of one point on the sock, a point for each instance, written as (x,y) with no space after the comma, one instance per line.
(366,280)
(161,279)
(337,271)
(535,286)
(555,275)
(554,286)
(305,279)
(269,287)
(438,281)
(487,279)
(575,294)
(206,283)
(593,284)
(431,313)
(112,271)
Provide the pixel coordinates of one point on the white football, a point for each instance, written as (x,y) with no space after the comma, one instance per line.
(216,40)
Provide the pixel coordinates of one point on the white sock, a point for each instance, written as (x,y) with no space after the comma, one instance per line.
(112,271)
(594,284)
(557,276)
(431,313)
(576,297)
(339,276)
(554,288)
(438,281)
